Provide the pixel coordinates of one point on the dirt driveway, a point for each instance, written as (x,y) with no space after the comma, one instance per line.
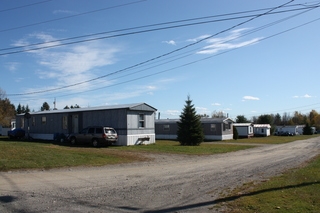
(169,183)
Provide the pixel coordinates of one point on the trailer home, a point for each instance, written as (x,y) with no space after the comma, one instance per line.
(134,123)
(261,130)
(245,130)
(213,128)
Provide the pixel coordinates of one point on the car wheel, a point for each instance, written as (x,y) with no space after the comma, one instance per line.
(73,141)
(95,143)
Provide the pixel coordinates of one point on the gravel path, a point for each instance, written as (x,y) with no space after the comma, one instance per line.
(168,183)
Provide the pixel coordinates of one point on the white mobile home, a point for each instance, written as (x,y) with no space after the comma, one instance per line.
(261,130)
(245,130)
(294,129)
(134,123)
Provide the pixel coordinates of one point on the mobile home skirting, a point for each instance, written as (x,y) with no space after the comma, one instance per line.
(141,139)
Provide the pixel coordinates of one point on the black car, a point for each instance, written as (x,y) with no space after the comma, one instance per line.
(17,133)
(287,134)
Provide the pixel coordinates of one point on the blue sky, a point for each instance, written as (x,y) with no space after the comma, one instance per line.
(229,56)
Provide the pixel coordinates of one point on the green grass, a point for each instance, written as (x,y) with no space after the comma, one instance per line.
(295,191)
(274,139)
(174,147)
(45,155)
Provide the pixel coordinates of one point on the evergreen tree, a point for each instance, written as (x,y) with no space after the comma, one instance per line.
(45,106)
(190,131)
(19,109)
(242,119)
(235,133)
(307,130)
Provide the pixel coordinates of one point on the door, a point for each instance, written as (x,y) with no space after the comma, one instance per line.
(75,123)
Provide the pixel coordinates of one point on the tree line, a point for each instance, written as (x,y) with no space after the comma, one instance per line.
(8,111)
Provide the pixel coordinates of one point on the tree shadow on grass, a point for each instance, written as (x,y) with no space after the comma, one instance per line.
(228,199)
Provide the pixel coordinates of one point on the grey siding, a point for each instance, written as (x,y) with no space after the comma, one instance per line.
(124,118)
(114,118)
(167,128)
(133,118)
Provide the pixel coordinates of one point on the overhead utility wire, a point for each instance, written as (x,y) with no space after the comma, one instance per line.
(125,34)
(199,60)
(98,10)
(187,64)
(71,16)
(23,6)
(176,50)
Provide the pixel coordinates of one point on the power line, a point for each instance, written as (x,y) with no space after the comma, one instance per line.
(163,55)
(187,64)
(71,16)
(50,90)
(23,6)
(132,33)
(193,62)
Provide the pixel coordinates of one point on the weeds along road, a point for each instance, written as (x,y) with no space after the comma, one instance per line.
(169,183)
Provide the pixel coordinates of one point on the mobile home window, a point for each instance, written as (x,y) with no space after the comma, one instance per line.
(141,120)
(226,126)
(44,120)
(213,128)
(22,123)
(166,127)
(65,122)
(33,121)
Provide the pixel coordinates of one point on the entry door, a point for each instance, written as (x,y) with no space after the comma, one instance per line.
(75,123)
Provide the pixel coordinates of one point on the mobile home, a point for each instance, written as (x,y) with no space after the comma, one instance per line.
(261,130)
(134,123)
(245,130)
(213,128)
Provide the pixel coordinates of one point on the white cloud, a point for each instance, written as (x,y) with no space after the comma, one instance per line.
(172,42)
(171,112)
(63,12)
(229,42)
(251,98)
(304,96)
(198,38)
(12,66)
(216,104)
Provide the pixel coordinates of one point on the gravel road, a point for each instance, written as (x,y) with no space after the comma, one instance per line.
(167,183)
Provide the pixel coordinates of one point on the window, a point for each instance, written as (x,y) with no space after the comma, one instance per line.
(141,120)
(44,120)
(226,126)
(213,128)
(33,121)
(22,123)
(166,127)
(65,122)
(91,131)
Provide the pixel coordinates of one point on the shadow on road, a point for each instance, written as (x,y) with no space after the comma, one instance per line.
(228,199)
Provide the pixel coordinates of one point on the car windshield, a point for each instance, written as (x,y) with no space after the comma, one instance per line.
(110,131)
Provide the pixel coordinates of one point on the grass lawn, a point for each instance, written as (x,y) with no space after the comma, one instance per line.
(174,147)
(295,191)
(45,155)
(273,139)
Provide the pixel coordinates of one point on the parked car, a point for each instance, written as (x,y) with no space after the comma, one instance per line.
(287,134)
(16,133)
(94,135)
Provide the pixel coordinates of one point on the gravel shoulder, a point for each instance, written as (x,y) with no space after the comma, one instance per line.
(166,183)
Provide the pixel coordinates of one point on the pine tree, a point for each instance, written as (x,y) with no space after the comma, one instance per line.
(307,130)
(190,131)
(235,133)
